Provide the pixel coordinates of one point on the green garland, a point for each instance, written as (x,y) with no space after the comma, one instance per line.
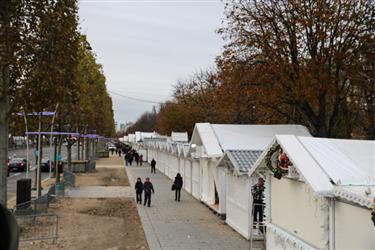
(277,171)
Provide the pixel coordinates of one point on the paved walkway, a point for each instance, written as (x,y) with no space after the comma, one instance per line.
(99,192)
(181,225)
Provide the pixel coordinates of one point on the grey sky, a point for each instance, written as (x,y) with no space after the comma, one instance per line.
(146,46)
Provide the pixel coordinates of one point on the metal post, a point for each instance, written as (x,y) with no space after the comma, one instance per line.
(332,222)
(50,142)
(78,147)
(27,145)
(38,182)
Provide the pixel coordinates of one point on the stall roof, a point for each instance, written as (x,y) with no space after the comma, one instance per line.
(243,160)
(253,137)
(216,138)
(203,134)
(346,162)
(179,137)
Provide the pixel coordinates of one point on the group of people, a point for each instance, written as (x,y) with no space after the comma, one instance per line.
(119,149)
(148,188)
(257,192)
(133,155)
(145,187)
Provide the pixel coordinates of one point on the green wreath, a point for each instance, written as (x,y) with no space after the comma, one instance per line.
(277,171)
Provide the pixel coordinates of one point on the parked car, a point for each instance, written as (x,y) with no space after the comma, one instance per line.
(44,166)
(17,164)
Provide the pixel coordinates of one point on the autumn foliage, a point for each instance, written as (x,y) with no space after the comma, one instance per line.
(286,61)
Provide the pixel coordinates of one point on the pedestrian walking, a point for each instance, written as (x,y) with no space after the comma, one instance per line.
(126,157)
(112,150)
(136,158)
(141,159)
(131,157)
(153,165)
(178,182)
(138,190)
(36,154)
(148,188)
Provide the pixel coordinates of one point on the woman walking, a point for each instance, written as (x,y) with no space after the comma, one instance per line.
(178,185)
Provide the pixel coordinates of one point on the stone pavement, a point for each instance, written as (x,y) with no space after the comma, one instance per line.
(181,225)
(99,192)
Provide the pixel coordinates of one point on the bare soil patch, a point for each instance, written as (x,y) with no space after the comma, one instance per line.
(103,176)
(97,224)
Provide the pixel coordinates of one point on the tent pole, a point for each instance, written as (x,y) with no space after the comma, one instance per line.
(332,244)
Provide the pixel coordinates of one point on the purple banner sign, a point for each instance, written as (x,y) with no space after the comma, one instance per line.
(53,133)
(44,113)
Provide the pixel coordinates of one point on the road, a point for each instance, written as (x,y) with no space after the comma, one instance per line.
(21,153)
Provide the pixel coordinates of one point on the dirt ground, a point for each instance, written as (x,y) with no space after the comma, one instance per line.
(97,223)
(103,176)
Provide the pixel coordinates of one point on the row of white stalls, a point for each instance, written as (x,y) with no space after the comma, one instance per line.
(321,199)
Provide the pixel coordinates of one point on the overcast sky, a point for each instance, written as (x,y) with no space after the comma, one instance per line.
(146,46)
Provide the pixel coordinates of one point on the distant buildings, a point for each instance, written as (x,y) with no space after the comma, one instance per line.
(123,126)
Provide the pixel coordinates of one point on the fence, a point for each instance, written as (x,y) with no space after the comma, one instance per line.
(90,166)
(69,178)
(34,206)
(38,227)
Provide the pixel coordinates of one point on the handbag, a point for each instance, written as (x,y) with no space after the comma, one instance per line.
(173,187)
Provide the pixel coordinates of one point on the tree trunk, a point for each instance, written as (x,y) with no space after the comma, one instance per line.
(4,106)
(4,100)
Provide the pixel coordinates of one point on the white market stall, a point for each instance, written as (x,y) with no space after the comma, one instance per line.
(210,142)
(323,198)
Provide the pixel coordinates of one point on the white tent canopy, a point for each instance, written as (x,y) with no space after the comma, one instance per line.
(179,137)
(216,138)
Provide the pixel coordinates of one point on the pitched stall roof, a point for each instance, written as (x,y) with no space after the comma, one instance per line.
(243,160)
(203,134)
(179,137)
(216,138)
(253,137)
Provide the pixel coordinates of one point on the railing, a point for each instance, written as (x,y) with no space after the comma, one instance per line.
(91,165)
(69,178)
(34,206)
(38,227)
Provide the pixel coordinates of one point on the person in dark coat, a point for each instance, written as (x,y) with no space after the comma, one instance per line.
(136,158)
(257,192)
(141,159)
(153,165)
(131,157)
(178,182)
(148,188)
(139,190)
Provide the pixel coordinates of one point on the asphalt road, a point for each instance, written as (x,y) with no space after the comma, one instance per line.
(21,153)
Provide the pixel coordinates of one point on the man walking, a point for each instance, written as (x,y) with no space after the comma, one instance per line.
(139,190)
(153,164)
(148,188)
(178,185)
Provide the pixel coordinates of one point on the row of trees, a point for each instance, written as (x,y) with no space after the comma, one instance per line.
(307,62)
(45,62)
